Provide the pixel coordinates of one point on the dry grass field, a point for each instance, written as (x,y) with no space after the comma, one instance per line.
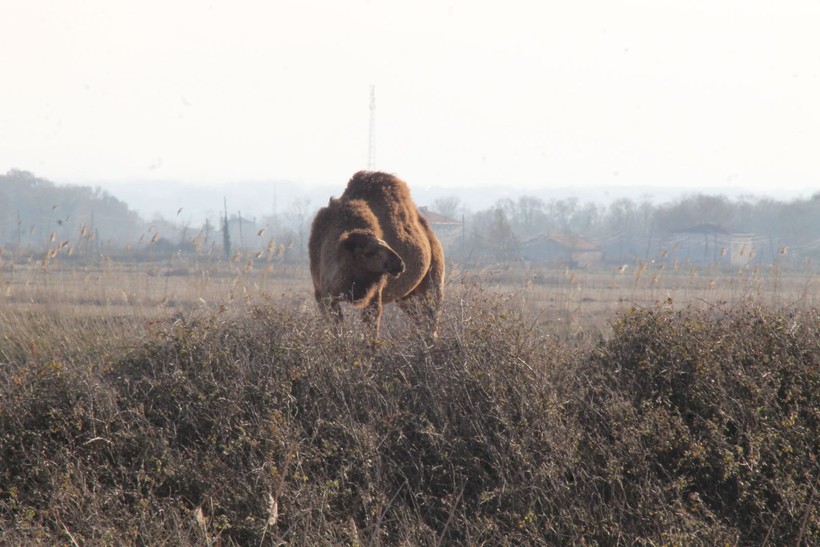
(187,402)
(567,300)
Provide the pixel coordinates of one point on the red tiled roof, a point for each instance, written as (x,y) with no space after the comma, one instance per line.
(435,218)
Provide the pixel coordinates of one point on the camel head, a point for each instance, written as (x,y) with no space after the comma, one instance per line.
(369,253)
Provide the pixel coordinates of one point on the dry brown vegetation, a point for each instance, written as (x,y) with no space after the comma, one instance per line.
(188,403)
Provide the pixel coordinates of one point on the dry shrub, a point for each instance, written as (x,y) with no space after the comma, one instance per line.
(682,427)
(703,425)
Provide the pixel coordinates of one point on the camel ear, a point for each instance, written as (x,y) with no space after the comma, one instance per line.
(355,241)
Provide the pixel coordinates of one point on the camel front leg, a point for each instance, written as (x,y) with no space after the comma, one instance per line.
(330,307)
(372,315)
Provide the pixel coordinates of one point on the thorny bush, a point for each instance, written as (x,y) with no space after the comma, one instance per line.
(680,427)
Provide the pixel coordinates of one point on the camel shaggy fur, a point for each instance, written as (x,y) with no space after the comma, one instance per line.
(371,247)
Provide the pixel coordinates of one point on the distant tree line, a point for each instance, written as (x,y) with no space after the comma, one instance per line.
(37,214)
(626,229)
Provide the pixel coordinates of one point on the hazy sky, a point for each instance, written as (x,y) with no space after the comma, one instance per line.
(701,93)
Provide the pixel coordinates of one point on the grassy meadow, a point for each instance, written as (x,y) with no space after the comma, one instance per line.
(196,402)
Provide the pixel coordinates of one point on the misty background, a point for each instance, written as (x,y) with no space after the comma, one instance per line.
(581,133)
(81,223)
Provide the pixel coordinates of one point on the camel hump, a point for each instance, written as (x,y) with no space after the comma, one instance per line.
(376,186)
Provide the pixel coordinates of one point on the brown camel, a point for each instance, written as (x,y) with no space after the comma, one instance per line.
(372,246)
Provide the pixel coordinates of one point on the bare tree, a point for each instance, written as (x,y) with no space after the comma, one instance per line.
(694,210)
(300,217)
(530,213)
(493,235)
(449,206)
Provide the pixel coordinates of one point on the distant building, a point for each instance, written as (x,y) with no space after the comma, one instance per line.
(448,231)
(243,232)
(440,223)
(564,248)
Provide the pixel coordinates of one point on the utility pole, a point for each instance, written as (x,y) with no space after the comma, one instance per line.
(92,235)
(371,151)
(226,234)
(241,244)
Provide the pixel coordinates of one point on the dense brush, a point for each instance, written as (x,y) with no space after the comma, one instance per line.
(680,427)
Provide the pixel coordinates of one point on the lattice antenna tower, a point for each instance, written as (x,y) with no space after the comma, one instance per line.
(371,150)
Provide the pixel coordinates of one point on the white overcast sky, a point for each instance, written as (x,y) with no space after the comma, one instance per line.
(698,93)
